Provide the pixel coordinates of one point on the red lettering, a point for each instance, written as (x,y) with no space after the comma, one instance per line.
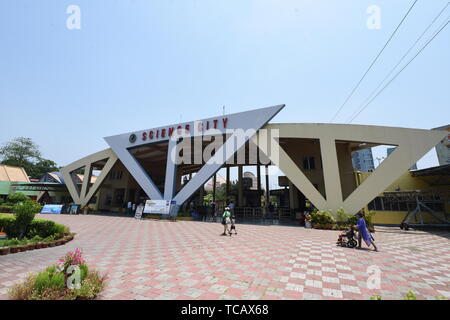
(144,135)
(207,125)
(215,123)
(150,135)
(170,131)
(225,121)
(163,133)
(187,127)
(157,134)
(179,130)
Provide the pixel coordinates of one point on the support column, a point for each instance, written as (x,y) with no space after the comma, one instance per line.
(240,187)
(331,175)
(258,180)
(227,186)
(267,186)
(201,195)
(293,196)
(86,180)
(214,187)
(171,171)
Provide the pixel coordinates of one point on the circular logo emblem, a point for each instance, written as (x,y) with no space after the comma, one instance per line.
(132,138)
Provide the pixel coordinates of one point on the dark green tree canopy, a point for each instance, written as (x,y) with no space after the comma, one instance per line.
(20,151)
(23,152)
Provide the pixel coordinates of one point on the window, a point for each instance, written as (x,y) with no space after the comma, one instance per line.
(115,175)
(309,163)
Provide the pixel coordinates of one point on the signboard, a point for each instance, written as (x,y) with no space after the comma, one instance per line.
(74,209)
(139,211)
(52,209)
(157,206)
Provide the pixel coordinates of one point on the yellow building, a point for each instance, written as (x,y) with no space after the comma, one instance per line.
(423,194)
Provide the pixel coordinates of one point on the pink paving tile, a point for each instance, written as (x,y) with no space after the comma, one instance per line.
(164,249)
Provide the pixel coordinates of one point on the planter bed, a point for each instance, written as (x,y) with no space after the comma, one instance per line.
(35,246)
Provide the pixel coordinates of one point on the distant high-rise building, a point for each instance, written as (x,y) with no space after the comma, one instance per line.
(363,160)
(390,150)
(443,148)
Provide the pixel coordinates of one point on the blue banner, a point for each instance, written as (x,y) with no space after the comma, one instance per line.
(52,209)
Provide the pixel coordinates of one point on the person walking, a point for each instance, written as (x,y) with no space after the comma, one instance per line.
(233,224)
(130,208)
(231,205)
(226,221)
(363,232)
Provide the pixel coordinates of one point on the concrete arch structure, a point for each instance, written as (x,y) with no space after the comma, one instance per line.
(335,141)
(412,144)
(84,195)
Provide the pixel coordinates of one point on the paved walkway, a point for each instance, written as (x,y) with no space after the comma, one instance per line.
(189,260)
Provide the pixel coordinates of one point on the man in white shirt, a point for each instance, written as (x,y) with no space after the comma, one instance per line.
(130,208)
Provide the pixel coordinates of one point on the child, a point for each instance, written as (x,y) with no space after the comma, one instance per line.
(349,234)
(226,221)
(233,226)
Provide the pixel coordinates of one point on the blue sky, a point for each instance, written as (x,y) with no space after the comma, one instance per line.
(137,64)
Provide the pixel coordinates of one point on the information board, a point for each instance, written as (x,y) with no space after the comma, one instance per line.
(139,211)
(157,206)
(52,209)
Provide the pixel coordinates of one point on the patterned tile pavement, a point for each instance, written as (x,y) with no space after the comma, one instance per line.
(189,260)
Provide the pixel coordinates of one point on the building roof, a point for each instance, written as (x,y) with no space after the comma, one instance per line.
(439,175)
(15,174)
(56,177)
(442,128)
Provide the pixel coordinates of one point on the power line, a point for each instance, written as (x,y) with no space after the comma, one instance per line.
(402,58)
(373,62)
(400,71)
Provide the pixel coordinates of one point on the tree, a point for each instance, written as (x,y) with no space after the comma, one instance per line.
(43,166)
(23,152)
(20,152)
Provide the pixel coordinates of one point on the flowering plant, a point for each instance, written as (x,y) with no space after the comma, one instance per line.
(308,217)
(70,259)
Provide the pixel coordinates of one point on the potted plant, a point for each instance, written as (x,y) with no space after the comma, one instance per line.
(51,243)
(4,251)
(14,249)
(308,219)
(23,247)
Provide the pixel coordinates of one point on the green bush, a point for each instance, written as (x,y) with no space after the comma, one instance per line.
(46,228)
(6,208)
(84,270)
(342,217)
(322,217)
(8,225)
(25,212)
(42,281)
(46,279)
(16,198)
(38,228)
(50,284)
(410,296)
(352,220)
